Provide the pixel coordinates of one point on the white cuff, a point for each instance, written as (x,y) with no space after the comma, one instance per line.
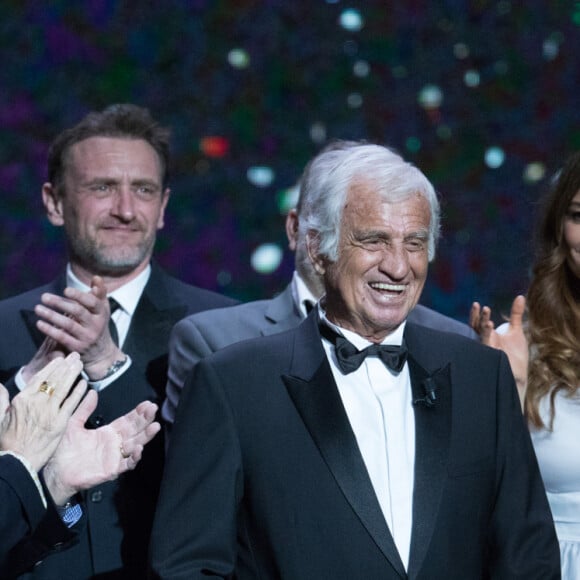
(109,378)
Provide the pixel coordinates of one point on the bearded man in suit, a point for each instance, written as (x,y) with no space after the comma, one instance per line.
(200,334)
(108,189)
(357,445)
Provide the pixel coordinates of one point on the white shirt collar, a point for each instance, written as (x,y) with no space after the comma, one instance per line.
(301,293)
(127,295)
(395,338)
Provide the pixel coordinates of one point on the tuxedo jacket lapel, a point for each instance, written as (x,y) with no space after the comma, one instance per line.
(432,436)
(153,320)
(313,391)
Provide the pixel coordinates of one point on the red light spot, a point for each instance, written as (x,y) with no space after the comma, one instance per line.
(214,146)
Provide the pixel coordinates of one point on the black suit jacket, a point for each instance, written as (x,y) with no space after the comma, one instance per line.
(21,508)
(22,514)
(264,477)
(201,334)
(118,514)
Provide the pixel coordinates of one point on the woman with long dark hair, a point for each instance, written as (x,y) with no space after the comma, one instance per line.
(544,353)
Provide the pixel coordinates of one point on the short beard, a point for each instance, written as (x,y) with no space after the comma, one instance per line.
(107,261)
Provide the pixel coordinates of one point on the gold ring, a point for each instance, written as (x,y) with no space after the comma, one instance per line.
(124,454)
(46,388)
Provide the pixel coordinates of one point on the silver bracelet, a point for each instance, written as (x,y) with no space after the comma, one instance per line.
(118,364)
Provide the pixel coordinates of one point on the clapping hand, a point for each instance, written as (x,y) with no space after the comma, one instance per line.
(88,457)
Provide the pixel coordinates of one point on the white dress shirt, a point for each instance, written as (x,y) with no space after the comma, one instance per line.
(378,403)
(127,296)
(301,294)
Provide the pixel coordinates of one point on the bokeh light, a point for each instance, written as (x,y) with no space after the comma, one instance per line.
(430,97)
(239,58)
(534,172)
(471,78)
(494,157)
(352,20)
(260,176)
(267,258)
(214,146)
(483,99)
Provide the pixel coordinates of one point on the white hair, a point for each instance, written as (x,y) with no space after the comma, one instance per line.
(328,178)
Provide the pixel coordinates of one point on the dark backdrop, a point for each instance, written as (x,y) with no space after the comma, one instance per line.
(482,95)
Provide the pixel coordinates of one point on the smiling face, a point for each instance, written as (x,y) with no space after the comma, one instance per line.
(572,234)
(382,262)
(111,204)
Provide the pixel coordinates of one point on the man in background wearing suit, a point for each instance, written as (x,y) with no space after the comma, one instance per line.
(357,445)
(200,334)
(108,189)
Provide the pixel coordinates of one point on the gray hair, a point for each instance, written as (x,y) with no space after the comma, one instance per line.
(327,180)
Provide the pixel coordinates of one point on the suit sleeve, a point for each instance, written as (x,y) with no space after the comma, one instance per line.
(28,531)
(187,346)
(21,507)
(194,534)
(523,543)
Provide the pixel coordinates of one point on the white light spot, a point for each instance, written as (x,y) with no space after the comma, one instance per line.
(260,176)
(239,58)
(318,133)
(351,19)
(430,97)
(471,78)
(534,172)
(266,258)
(361,68)
(494,157)
(550,49)
(354,100)
(288,198)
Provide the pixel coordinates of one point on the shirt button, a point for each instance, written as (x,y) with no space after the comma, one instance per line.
(96,496)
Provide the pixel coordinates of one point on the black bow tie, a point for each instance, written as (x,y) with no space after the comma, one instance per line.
(349,358)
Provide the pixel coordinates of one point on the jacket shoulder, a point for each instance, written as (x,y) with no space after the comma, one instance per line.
(432,319)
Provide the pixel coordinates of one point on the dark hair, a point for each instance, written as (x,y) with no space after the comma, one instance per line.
(125,121)
(553,296)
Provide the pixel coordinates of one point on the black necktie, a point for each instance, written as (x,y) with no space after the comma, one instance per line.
(349,358)
(113,305)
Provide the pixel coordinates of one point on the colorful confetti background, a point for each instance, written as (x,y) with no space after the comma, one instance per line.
(484,96)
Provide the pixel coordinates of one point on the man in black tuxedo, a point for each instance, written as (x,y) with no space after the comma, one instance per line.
(108,189)
(202,333)
(358,445)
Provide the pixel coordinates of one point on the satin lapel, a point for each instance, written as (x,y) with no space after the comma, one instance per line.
(318,402)
(432,435)
(150,328)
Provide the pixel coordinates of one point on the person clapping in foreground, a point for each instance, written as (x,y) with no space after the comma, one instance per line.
(47,456)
